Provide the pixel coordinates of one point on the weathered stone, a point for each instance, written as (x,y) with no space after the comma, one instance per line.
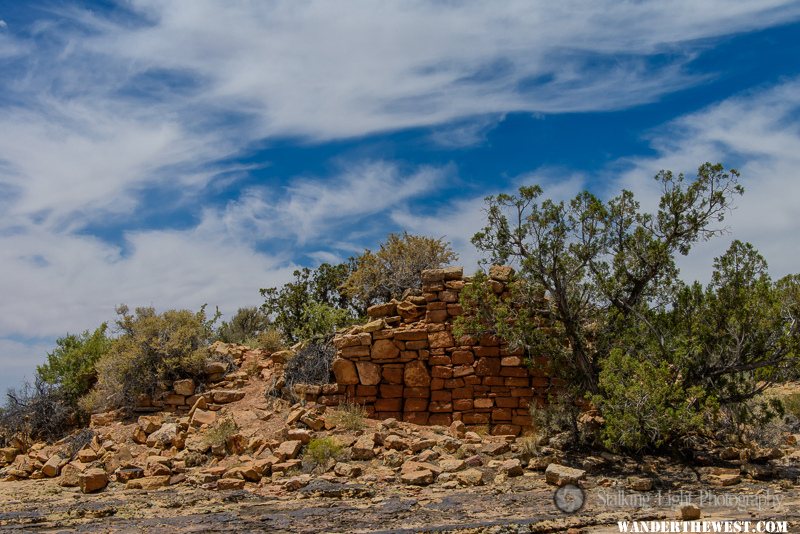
(560,475)
(501,273)
(164,437)
(421,477)
(639,483)
(345,372)
(296,483)
(416,374)
(384,349)
(127,473)
(70,474)
(363,449)
(203,417)
(299,434)
(7,454)
(451,465)
(288,450)
(440,275)
(690,512)
(148,483)
(496,448)
(512,467)
(225,396)
(724,480)
(347,470)
(230,484)
(87,455)
(382,310)
(92,480)
(369,373)
(470,477)
(53,466)
(184,387)
(216,368)
(395,442)
(103,419)
(458,429)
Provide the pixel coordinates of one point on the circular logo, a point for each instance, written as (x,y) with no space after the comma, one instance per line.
(569,498)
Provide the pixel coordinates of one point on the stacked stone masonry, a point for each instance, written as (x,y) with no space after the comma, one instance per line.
(406,364)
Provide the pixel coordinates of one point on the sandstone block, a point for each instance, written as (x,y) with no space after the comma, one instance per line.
(559,475)
(384,349)
(369,373)
(92,480)
(345,372)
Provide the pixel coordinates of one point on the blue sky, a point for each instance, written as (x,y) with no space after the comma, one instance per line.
(188,152)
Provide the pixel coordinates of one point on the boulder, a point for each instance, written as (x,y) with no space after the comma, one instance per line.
(639,483)
(52,467)
(225,396)
(299,434)
(203,417)
(288,450)
(92,480)
(230,484)
(559,475)
(347,470)
(363,448)
(496,448)
(512,467)
(395,442)
(470,477)
(184,387)
(70,474)
(451,465)
(164,437)
(458,429)
(689,512)
(420,477)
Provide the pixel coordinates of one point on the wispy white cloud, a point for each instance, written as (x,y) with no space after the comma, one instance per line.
(314,208)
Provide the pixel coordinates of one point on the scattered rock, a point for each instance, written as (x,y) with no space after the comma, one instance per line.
(512,468)
(639,483)
(559,475)
(347,470)
(470,477)
(288,450)
(420,477)
(363,449)
(148,483)
(230,484)
(92,480)
(689,512)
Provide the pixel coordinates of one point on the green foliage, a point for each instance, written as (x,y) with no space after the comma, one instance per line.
(396,266)
(244,327)
(151,351)
(645,405)
(313,304)
(597,279)
(320,450)
(71,365)
(349,416)
(218,435)
(269,340)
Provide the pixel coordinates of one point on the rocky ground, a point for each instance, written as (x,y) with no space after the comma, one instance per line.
(242,462)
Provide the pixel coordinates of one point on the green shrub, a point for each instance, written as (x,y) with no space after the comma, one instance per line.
(396,266)
(247,325)
(320,450)
(349,416)
(645,405)
(269,340)
(71,365)
(218,435)
(152,351)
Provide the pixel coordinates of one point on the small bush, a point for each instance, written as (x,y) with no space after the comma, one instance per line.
(36,412)
(557,416)
(349,416)
(218,435)
(152,351)
(320,450)
(71,365)
(311,365)
(269,340)
(248,324)
(645,406)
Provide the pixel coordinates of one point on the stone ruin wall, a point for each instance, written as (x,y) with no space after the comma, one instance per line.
(406,364)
